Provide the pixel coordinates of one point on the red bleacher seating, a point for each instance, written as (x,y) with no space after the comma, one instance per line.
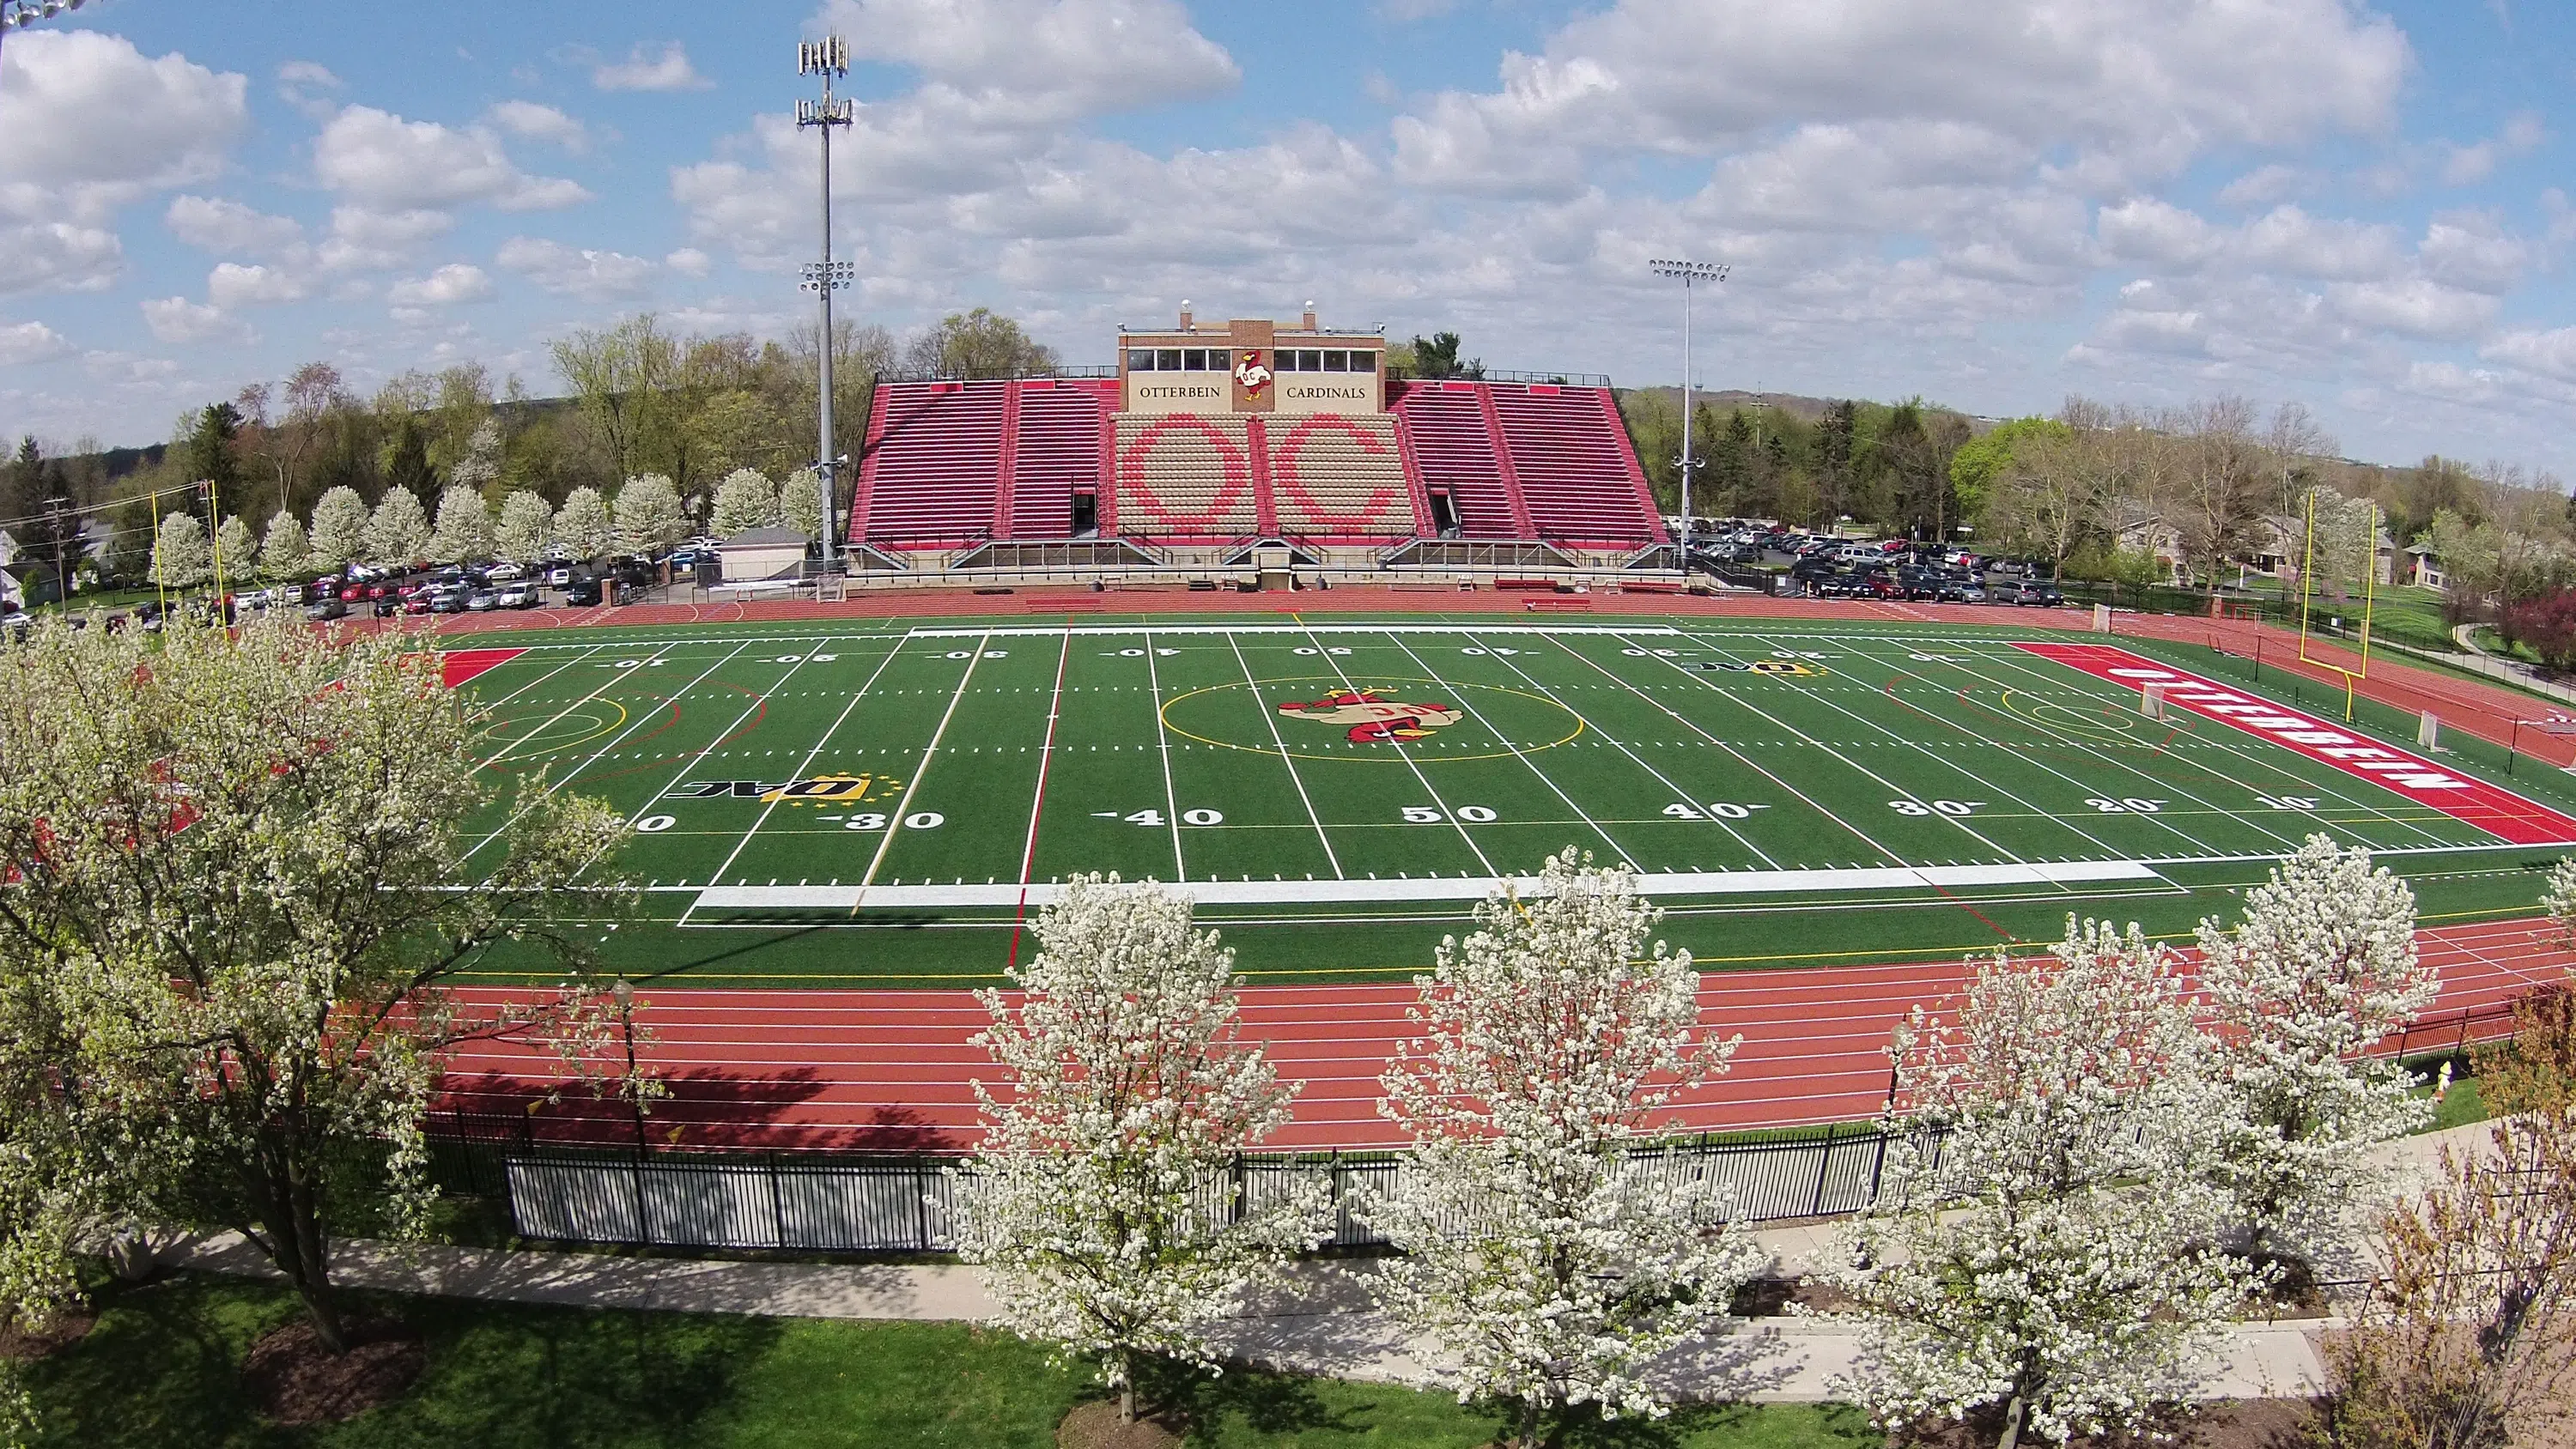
(1186,476)
(1576,470)
(934,464)
(1058,454)
(1456,452)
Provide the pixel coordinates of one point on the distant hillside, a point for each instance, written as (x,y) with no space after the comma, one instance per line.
(1808,409)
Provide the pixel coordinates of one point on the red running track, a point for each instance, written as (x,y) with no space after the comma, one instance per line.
(891,1069)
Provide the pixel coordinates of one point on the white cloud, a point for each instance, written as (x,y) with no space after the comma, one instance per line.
(531,121)
(178,320)
(2265,185)
(1029,62)
(669,71)
(2468,165)
(92,124)
(2415,307)
(22,343)
(308,87)
(689,262)
(386,163)
(2551,353)
(364,240)
(2469,250)
(232,286)
(58,257)
(2289,241)
(592,275)
(450,285)
(219,224)
(2145,229)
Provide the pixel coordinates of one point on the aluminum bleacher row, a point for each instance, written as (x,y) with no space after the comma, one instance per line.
(952,464)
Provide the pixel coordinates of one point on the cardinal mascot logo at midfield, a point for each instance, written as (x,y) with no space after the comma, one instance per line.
(1375,721)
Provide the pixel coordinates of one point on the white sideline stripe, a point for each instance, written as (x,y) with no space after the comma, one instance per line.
(1040,631)
(1269,892)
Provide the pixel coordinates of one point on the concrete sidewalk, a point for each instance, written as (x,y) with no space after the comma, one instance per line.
(1319,1321)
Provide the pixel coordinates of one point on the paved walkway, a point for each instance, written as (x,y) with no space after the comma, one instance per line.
(1320,1321)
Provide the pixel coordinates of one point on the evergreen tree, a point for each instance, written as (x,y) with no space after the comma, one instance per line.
(213,451)
(408,467)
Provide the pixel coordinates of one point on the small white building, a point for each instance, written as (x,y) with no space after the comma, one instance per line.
(759,555)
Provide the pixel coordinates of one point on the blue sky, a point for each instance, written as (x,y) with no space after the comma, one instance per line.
(1991,203)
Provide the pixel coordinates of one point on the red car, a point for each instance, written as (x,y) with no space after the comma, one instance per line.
(1883,587)
(354,593)
(419,602)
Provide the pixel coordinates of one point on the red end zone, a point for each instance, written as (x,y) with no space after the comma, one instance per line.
(460,665)
(2497,811)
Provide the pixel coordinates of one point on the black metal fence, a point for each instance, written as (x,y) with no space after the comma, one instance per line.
(846,1202)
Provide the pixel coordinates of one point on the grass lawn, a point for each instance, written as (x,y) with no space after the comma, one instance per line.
(160,1372)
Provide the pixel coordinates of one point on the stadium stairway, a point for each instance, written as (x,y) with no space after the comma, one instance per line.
(1455,450)
(1570,455)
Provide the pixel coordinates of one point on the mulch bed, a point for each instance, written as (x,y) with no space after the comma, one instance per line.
(1095,1426)
(67,1329)
(296,1381)
(2234,1424)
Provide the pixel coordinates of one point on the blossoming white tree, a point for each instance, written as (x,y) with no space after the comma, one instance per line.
(527,525)
(800,502)
(746,499)
(1100,1205)
(649,516)
(398,533)
(581,524)
(464,533)
(232,893)
(235,557)
(339,533)
(480,468)
(2043,1243)
(180,554)
(2322,967)
(1544,1249)
(283,549)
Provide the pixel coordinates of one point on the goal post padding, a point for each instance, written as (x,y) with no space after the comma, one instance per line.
(2151,701)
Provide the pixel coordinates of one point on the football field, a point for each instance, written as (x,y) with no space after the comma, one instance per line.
(889,800)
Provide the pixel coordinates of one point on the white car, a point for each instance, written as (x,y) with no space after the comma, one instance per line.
(520,596)
(502,573)
(559,575)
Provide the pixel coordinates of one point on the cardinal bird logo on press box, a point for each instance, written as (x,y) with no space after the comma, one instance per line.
(1375,721)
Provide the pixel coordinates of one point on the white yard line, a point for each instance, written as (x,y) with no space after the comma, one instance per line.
(894,819)
(1686,722)
(1621,746)
(1411,764)
(803,766)
(1163,743)
(533,683)
(1272,720)
(1627,858)
(605,685)
(1855,766)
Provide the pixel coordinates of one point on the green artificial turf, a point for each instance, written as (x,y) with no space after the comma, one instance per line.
(160,1371)
(1164,753)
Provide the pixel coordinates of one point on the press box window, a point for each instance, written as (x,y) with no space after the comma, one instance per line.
(1168,360)
(1140,359)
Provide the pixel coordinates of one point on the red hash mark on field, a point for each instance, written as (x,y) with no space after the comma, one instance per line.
(460,665)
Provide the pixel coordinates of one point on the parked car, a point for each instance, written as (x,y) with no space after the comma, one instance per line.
(583,591)
(482,601)
(327,610)
(502,573)
(520,596)
(559,575)
(419,603)
(450,602)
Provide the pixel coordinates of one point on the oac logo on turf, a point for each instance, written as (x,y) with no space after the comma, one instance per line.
(1375,721)
(821,790)
(1761,666)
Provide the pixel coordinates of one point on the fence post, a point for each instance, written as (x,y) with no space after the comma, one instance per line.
(1824,1166)
(643,1210)
(1878,1169)
(920,1205)
(777,1200)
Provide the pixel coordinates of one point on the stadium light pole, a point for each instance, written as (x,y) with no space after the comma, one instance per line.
(827,58)
(19,14)
(1689,272)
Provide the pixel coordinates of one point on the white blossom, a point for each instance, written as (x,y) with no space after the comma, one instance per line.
(339,535)
(180,555)
(2322,968)
(480,468)
(235,558)
(1545,1250)
(283,549)
(581,524)
(527,525)
(464,532)
(1101,1206)
(800,502)
(398,533)
(649,516)
(2043,1241)
(746,499)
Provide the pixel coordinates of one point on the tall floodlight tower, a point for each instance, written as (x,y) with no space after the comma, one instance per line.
(23,13)
(827,58)
(1689,272)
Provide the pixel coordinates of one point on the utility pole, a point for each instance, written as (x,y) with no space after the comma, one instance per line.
(1689,272)
(62,535)
(827,58)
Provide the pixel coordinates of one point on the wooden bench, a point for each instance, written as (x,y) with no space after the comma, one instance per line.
(1559,604)
(1423,588)
(1067,604)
